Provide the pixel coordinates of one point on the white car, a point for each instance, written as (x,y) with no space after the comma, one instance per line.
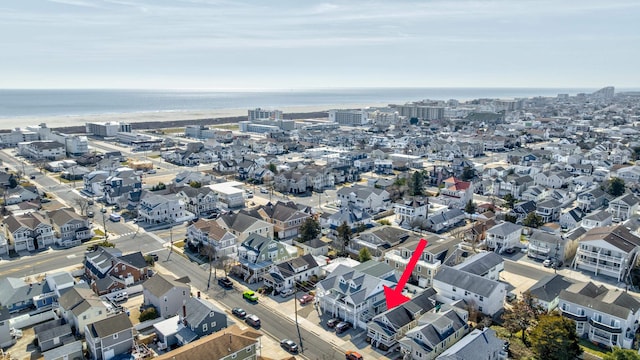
(121,296)
(287,293)
(265,191)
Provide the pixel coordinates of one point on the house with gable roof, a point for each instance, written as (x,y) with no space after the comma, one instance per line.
(592,199)
(410,212)
(486,264)
(623,207)
(455,193)
(198,201)
(364,198)
(604,316)
(70,227)
(109,337)
(30,231)
(436,332)
(354,295)
(109,270)
(480,344)
(80,306)
(163,209)
(243,225)
(286,275)
(610,251)
(547,290)
(210,233)
(258,254)
(485,294)
(552,179)
(378,240)
(285,217)
(599,218)
(201,318)
(17,295)
(386,329)
(503,236)
(166,294)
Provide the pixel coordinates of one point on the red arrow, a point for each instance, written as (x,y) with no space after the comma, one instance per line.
(395,297)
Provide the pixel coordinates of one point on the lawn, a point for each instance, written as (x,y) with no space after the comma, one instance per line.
(593,349)
(179,244)
(98,232)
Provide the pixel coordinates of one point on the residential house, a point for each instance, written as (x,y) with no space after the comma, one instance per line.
(200,201)
(610,251)
(231,344)
(17,295)
(286,275)
(436,332)
(109,337)
(411,213)
(71,350)
(53,334)
(243,225)
(42,150)
(369,199)
(210,233)
(6,338)
(315,247)
(534,193)
(109,270)
(30,231)
(20,194)
(548,210)
(202,318)
(378,240)
(630,174)
(455,193)
(570,218)
(445,220)
(352,295)
(544,245)
(354,218)
(623,207)
(80,306)
(386,329)
(480,344)
(166,294)
(117,186)
(504,236)
(546,291)
(70,227)
(592,199)
(285,217)
(437,251)
(552,179)
(486,264)
(258,254)
(453,284)
(597,219)
(604,316)
(522,209)
(163,209)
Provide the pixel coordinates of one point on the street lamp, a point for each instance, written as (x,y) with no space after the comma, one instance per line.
(104,224)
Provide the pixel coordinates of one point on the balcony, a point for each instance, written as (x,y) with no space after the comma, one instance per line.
(600,256)
(605,327)
(574,316)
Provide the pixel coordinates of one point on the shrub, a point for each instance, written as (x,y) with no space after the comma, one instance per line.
(148,314)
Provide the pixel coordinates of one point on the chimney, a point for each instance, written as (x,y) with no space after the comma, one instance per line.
(184,315)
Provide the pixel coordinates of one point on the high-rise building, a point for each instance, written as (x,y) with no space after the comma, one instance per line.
(107,129)
(348,117)
(259,114)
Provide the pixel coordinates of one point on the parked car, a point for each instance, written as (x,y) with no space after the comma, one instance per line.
(250,295)
(90,214)
(252,320)
(239,312)
(510,251)
(225,282)
(342,327)
(152,171)
(264,191)
(353,355)
(287,293)
(333,322)
(306,299)
(32,177)
(121,296)
(90,202)
(511,297)
(552,262)
(289,345)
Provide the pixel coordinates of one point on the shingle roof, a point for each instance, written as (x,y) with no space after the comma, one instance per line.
(198,310)
(618,236)
(613,302)
(475,346)
(504,229)
(473,283)
(111,325)
(549,287)
(160,284)
(480,264)
(215,346)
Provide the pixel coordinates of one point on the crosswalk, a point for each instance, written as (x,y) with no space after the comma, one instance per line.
(118,236)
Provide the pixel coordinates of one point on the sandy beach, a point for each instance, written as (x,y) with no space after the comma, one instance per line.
(78,120)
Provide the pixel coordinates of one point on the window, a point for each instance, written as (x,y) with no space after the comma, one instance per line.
(213,324)
(453,289)
(481,298)
(204,327)
(184,293)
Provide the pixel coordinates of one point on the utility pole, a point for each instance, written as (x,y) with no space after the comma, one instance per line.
(170,238)
(295,305)
(104,225)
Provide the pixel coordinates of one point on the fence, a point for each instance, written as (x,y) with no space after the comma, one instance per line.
(26,320)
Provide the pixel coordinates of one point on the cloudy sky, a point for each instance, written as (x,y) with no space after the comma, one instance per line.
(235,44)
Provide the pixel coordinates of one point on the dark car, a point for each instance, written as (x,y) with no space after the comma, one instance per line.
(90,214)
(289,345)
(333,322)
(154,257)
(342,327)
(225,282)
(239,312)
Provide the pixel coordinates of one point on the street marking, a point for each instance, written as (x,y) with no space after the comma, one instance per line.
(71,256)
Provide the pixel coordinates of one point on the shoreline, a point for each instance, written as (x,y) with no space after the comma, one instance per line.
(66,121)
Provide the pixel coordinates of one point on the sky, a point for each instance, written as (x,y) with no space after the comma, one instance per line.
(270,44)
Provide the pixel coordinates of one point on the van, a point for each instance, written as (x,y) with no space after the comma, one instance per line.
(252,320)
(115,217)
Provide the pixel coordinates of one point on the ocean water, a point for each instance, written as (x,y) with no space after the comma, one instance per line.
(22,103)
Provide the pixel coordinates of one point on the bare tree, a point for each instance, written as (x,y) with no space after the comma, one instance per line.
(211,253)
(82,204)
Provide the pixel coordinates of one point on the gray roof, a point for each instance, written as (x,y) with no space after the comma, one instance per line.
(480,264)
(52,330)
(374,268)
(14,290)
(475,346)
(111,325)
(160,284)
(549,287)
(544,236)
(402,315)
(434,328)
(613,302)
(358,286)
(473,283)
(198,310)
(505,229)
(598,216)
(59,352)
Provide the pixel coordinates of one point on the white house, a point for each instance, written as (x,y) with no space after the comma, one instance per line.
(163,209)
(504,236)
(453,284)
(210,233)
(363,197)
(623,207)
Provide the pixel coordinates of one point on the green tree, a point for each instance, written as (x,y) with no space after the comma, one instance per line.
(622,354)
(364,255)
(195,184)
(468,173)
(555,338)
(523,314)
(533,220)
(416,184)
(148,314)
(470,208)
(344,235)
(510,201)
(510,218)
(615,186)
(273,168)
(309,230)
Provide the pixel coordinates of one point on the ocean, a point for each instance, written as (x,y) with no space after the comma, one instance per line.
(33,103)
